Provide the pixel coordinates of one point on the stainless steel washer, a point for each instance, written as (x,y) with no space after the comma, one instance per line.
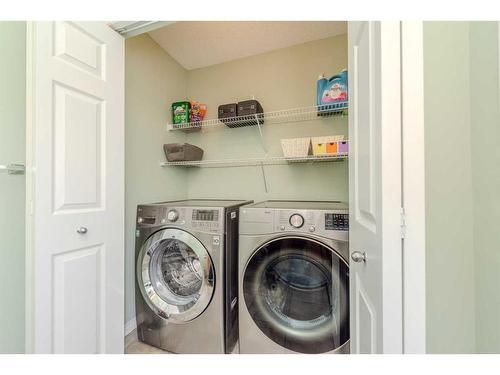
(186,272)
(294,277)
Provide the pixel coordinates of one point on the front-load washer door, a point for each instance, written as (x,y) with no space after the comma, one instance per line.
(175,275)
(296,291)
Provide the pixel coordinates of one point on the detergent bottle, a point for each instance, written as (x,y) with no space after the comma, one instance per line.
(320,86)
(332,93)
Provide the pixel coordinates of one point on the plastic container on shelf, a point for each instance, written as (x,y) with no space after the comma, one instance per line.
(343,147)
(182,152)
(326,145)
(331,147)
(180,113)
(318,146)
(332,90)
(296,147)
(332,93)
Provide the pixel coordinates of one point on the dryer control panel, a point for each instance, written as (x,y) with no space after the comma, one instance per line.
(312,221)
(327,223)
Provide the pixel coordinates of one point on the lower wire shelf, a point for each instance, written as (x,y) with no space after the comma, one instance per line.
(278,160)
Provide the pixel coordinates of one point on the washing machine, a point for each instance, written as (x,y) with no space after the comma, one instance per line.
(294,277)
(186,273)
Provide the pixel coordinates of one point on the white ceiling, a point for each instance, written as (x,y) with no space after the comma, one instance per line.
(199,44)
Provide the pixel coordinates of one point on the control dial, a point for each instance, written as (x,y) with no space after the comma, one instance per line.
(172,215)
(296,220)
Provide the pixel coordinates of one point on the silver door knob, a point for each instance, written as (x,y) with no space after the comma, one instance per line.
(358,256)
(81,230)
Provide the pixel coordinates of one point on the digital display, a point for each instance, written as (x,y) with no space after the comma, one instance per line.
(205,215)
(336,222)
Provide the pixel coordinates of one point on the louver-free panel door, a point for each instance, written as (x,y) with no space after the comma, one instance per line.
(375,187)
(79,188)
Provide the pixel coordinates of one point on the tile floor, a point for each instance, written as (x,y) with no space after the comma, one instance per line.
(133,346)
(138,347)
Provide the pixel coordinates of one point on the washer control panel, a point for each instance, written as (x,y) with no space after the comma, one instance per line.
(205,219)
(296,220)
(146,220)
(201,219)
(147,216)
(336,221)
(172,215)
(205,215)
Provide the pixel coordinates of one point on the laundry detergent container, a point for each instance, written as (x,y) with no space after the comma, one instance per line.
(182,152)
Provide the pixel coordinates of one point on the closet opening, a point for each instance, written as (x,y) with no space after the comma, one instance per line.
(253,111)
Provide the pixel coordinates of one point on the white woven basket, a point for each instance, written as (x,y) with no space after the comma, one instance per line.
(296,147)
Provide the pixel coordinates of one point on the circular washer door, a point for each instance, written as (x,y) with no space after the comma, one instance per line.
(176,275)
(296,290)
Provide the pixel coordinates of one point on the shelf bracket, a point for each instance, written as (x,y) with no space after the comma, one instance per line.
(264,176)
(261,134)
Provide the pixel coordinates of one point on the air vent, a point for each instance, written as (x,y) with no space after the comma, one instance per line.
(132,28)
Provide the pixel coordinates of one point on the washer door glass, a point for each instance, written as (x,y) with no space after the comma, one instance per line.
(296,291)
(176,274)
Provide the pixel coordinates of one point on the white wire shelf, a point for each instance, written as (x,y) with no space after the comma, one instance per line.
(279,160)
(274,117)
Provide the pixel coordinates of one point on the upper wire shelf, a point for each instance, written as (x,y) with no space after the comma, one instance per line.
(274,117)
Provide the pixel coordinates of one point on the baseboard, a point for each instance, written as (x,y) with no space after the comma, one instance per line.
(130,326)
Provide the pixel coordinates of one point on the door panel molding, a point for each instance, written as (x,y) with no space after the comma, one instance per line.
(362,319)
(79,117)
(90,59)
(69,284)
(364,206)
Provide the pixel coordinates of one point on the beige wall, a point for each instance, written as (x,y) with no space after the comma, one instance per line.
(462,117)
(280,79)
(12,188)
(153,80)
(485,140)
(449,204)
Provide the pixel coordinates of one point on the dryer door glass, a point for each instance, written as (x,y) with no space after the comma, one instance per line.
(177,275)
(296,291)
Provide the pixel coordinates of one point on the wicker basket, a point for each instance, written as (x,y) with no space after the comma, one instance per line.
(296,147)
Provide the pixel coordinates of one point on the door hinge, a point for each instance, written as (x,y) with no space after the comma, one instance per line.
(403,222)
